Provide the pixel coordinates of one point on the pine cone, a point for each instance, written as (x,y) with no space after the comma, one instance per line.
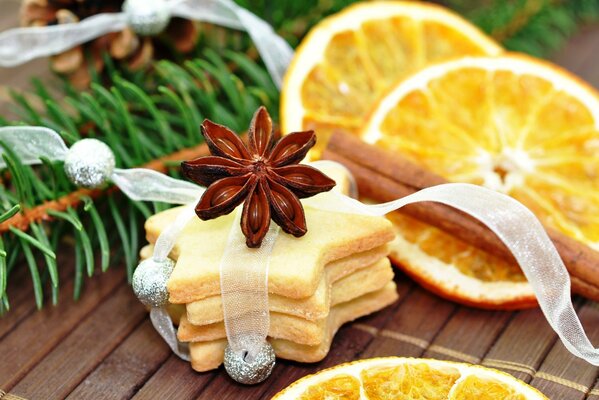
(124,46)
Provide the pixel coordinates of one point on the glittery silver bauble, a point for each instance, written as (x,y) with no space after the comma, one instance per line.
(147,17)
(89,163)
(250,373)
(149,281)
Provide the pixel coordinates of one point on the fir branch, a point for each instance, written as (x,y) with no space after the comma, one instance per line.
(43,211)
(49,209)
(518,21)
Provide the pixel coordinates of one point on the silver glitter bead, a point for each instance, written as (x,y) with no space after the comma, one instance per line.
(252,372)
(149,281)
(89,163)
(147,17)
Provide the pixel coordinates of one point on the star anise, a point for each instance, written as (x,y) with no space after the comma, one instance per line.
(265,176)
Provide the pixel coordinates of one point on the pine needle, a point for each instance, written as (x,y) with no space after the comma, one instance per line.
(35,275)
(10,213)
(3,269)
(101,233)
(46,250)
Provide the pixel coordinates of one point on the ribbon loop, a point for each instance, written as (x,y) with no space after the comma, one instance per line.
(143,184)
(30,143)
(162,322)
(20,45)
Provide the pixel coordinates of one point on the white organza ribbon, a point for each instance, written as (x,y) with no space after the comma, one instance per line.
(31,143)
(21,45)
(161,319)
(244,290)
(141,184)
(246,306)
(167,238)
(162,322)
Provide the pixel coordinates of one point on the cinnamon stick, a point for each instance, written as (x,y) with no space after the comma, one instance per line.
(382,176)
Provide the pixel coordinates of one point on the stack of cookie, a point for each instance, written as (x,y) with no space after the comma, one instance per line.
(337,272)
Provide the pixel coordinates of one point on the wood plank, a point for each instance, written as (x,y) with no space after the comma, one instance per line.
(581,49)
(564,376)
(594,393)
(20,291)
(21,298)
(589,70)
(582,54)
(522,346)
(348,346)
(127,368)
(84,348)
(9,16)
(24,347)
(468,335)
(413,326)
(222,387)
(175,380)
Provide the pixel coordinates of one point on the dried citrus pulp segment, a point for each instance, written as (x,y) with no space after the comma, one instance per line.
(511,123)
(395,378)
(349,59)
(456,270)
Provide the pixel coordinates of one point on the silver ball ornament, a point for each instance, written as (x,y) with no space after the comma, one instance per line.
(147,17)
(149,281)
(89,163)
(250,372)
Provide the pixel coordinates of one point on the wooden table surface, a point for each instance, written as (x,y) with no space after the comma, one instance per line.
(104,346)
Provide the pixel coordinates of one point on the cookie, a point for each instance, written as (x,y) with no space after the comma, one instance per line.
(296,329)
(316,306)
(206,356)
(209,310)
(296,264)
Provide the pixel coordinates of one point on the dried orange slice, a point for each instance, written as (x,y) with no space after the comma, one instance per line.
(349,59)
(512,123)
(409,379)
(456,270)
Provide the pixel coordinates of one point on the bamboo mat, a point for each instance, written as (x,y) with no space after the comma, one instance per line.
(104,347)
